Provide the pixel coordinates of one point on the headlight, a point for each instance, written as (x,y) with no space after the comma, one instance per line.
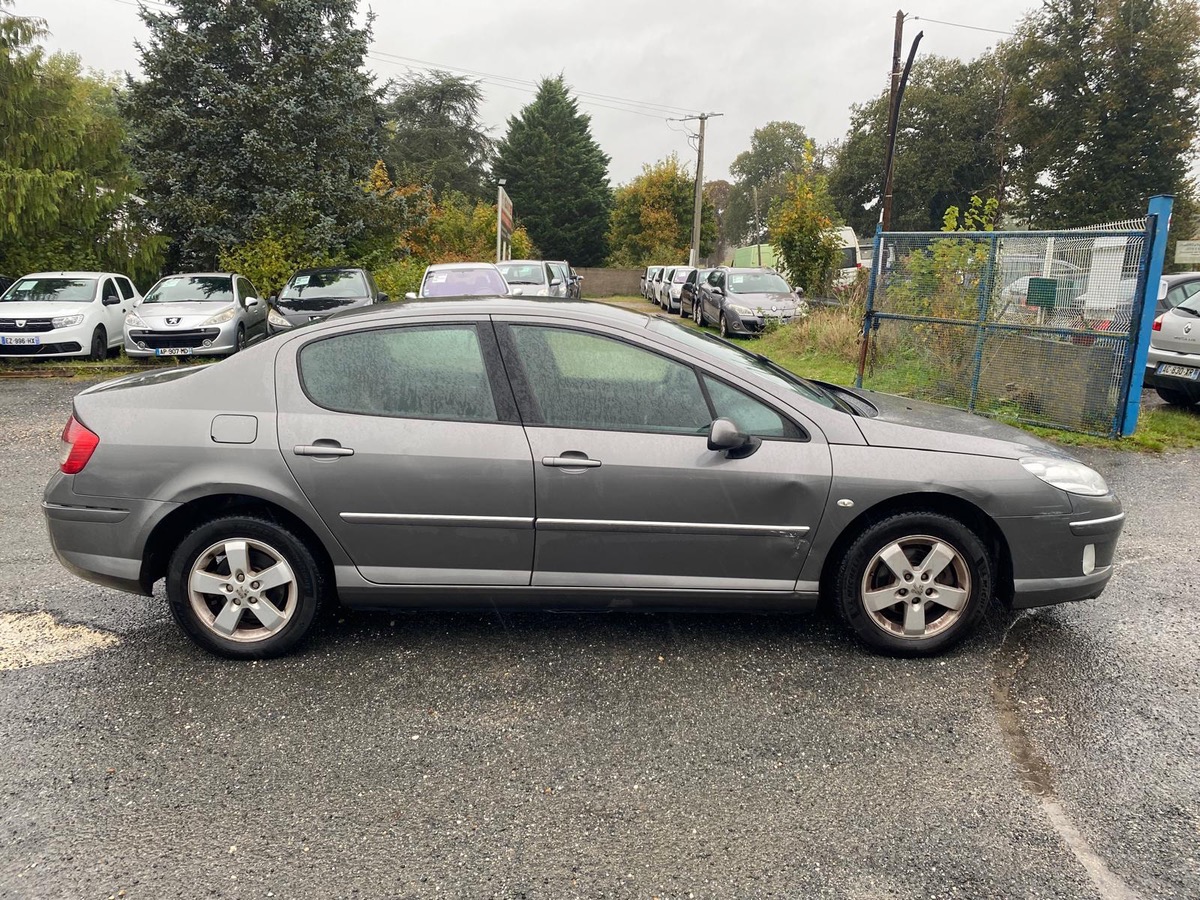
(742,310)
(1066,475)
(221,318)
(277,320)
(133,320)
(65,321)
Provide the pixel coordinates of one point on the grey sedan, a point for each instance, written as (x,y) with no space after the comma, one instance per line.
(557,454)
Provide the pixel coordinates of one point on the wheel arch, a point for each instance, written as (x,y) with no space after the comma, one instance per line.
(946,504)
(176,525)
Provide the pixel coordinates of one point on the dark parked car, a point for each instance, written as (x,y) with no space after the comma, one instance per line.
(576,456)
(313,294)
(740,301)
(689,295)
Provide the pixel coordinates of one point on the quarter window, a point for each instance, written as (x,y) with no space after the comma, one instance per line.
(750,415)
(583,380)
(434,372)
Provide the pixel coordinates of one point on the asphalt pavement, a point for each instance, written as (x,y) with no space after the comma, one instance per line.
(1057,754)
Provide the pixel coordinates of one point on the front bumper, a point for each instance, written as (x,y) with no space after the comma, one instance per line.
(1063,557)
(204,340)
(101,539)
(75,340)
(742,324)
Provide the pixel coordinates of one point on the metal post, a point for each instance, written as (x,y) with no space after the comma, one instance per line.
(983,301)
(1145,300)
(500,221)
(757,229)
(695,260)
(876,271)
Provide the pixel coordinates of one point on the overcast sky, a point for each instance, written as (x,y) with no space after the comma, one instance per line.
(754,60)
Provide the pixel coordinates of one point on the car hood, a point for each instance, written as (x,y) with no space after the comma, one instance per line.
(41,310)
(189,313)
(308,306)
(917,425)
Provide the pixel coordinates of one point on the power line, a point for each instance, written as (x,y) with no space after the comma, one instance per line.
(960,25)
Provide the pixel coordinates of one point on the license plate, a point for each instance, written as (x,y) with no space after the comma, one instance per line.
(1179,371)
(173,351)
(21,341)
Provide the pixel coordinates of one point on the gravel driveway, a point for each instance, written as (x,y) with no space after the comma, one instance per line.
(557,756)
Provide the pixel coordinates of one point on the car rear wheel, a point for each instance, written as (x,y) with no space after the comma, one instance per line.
(1178,397)
(245,587)
(99,348)
(724,327)
(914,583)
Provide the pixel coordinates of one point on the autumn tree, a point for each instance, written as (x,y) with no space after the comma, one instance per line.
(651,219)
(801,226)
(557,176)
(778,150)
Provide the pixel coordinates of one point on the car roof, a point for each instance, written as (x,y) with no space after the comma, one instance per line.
(748,269)
(73,275)
(320,269)
(199,275)
(438,267)
(583,309)
(524,262)
(1176,277)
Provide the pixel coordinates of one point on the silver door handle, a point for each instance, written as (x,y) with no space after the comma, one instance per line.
(570,462)
(321,450)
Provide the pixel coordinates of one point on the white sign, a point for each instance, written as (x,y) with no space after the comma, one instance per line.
(1187,252)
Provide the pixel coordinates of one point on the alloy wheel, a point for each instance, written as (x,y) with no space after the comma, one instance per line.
(242,590)
(916,587)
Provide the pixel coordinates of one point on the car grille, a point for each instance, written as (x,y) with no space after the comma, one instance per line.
(193,337)
(31,325)
(40,349)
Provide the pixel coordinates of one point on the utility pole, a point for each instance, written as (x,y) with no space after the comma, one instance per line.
(757,229)
(893,99)
(703,117)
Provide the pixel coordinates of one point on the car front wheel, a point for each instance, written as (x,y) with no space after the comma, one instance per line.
(724,327)
(99,348)
(915,583)
(1177,397)
(245,587)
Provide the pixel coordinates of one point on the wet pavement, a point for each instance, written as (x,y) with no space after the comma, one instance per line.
(1057,754)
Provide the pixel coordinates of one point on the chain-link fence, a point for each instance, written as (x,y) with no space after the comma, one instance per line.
(1034,327)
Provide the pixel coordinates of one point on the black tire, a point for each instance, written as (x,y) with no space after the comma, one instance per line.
(698,313)
(239,342)
(99,348)
(1182,397)
(724,328)
(313,588)
(850,582)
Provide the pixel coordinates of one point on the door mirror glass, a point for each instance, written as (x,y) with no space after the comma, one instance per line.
(726,437)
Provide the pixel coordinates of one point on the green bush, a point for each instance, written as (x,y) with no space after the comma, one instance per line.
(397,278)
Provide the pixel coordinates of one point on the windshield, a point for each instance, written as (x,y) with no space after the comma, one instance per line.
(464,283)
(681,275)
(315,285)
(192,289)
(515,273)
(756,283)
(51,290)
(749,362)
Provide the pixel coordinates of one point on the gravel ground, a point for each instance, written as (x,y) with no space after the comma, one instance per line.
(552,756)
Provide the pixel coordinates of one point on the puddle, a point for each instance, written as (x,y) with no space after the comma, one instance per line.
(38,639)
(1035,773)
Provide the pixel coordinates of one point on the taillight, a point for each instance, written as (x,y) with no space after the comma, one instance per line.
(79,443)
(1157,326)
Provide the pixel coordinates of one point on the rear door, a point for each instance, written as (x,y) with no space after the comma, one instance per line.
(628,493)
(405,439)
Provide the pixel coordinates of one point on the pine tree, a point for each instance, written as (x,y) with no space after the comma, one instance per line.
(557,176)
(254,118)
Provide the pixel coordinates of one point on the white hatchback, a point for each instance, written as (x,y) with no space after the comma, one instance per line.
(57,314)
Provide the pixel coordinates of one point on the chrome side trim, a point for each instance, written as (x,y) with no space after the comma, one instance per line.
(1106,525)
(364,518)
(65,513)
(1117,518)
(666,527)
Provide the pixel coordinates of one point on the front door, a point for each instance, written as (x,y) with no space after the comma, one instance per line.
(628,493)
(408,446)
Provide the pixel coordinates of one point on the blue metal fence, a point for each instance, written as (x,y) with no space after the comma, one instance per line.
(1042,327)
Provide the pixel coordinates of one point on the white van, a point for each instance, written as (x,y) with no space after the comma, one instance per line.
(850,262)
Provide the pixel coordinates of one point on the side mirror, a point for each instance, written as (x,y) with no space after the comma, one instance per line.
(272,298)
(410,296)
(720,292)
(799,291)
(555,282)
(251,302)
(382,298)
(517,292)
(725,437)
(111,300)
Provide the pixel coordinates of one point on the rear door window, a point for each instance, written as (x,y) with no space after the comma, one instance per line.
(423,372)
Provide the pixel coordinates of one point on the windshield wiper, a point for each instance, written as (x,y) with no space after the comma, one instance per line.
(814,386)
(1188,310)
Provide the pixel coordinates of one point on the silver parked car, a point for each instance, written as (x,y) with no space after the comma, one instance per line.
(532,278)
(467,279)
(198,314)
(1173,363)
(565,455)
